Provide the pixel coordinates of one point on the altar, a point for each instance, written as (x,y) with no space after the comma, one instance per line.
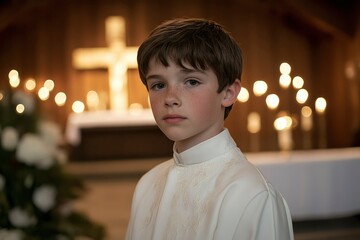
(317,184)
(104,135)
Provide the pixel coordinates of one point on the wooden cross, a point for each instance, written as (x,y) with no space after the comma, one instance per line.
(117,58)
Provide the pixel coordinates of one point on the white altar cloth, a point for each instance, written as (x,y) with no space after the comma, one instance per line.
(77,121)
(316,184)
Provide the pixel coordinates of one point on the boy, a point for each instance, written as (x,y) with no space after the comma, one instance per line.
(192,70)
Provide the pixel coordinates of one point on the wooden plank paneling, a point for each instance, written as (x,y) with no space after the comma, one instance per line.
(42,48)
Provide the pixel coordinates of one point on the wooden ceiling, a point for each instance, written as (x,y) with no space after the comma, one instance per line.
(328,16)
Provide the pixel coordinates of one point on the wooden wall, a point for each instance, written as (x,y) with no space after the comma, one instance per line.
(39,42)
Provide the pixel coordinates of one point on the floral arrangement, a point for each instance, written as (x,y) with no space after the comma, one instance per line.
(35,191)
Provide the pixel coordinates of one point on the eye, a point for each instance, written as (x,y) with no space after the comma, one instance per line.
(157,86)
(192,82)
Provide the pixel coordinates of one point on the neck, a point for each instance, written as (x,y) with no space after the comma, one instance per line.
(185,144)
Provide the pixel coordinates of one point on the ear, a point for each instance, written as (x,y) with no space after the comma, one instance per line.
(230,93)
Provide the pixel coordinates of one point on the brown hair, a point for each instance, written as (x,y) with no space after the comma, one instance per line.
(201,43)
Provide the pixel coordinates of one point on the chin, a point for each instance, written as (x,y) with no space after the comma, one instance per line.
(174,135)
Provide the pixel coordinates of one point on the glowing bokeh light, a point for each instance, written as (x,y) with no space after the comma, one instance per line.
(306,118)
(20,108)
(272,101)
(302,96)
(285,68)
(320,105)
(43,93)
(254,122)
(285,80)
(49,84)
(282,123)
(60,99)
(30,84)
(260,87)
(78,107)
(243,95)
(92,100)
(298,82)
(14,79)
(306,111)
(136,109)
(13,74)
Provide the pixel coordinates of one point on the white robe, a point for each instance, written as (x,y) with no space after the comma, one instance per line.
(209,191)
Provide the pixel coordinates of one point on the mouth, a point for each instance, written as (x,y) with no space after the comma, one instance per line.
(173,118)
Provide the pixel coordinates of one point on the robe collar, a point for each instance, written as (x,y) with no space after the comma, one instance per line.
(206,150)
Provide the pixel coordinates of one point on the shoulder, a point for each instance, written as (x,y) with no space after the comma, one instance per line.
(241,181)
(162,167)
(151,180)
(240,175)
(249,201)
(156,172)
(245,183)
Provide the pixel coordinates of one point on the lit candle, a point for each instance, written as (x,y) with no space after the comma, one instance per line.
(285,68)
(283,126)
(272,101)
(260,87)
(136,109)
(243,95)
(306,118)
(78,106)
(92,101)
(254,127)
(49,84)
(302,96)
(306,126)
(285,80)
(320,107)
(14,79)
(60,99)
(298,82)
(43,93)
(30,84)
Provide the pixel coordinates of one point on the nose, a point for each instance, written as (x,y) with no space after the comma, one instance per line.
(172,97)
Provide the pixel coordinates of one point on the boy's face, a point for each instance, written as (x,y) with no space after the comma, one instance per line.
(185,103)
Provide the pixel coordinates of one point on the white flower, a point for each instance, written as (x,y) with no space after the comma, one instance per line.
(50,132)
(2,183)
(44,197)
(25,99)
(9,138)
(33,151)
(19,218)
(10,234)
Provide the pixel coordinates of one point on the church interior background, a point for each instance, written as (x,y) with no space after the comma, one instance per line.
(39,40)
(301,78)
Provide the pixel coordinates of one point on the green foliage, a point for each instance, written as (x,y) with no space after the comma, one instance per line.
(36,193)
